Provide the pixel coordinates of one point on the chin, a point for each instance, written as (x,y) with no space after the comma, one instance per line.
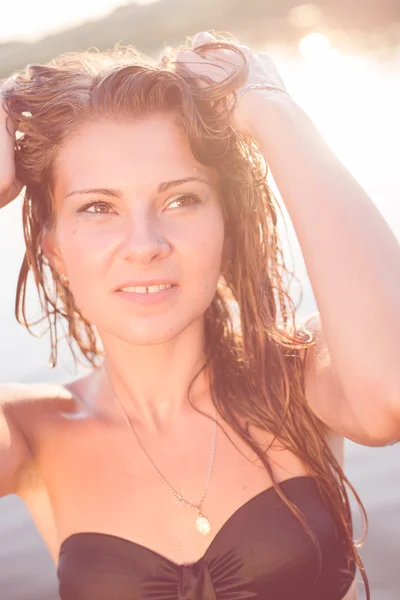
(146,332)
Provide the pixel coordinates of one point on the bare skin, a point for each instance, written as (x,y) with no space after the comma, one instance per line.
(85,471)
(9,185)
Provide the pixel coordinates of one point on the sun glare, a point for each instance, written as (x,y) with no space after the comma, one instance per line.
(314,44)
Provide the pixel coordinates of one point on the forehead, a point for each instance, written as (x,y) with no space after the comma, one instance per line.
(108,152)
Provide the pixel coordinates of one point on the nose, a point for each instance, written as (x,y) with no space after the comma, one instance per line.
(143,240)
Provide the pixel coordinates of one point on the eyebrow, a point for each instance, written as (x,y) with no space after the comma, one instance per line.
(163,187)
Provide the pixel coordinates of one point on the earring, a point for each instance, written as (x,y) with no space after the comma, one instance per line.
(64,280)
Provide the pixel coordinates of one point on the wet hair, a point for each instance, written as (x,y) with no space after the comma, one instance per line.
(256,356)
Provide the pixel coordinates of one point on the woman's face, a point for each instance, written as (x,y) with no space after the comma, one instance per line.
(136,168)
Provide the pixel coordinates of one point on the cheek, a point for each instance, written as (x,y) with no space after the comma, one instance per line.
(80,245)
(208,256)
(85,254)
(204,246)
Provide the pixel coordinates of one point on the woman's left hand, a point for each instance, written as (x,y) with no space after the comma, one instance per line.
(217,64)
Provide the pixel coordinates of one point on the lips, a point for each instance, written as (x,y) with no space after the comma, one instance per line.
(147,298)
(151,289)
(148,283)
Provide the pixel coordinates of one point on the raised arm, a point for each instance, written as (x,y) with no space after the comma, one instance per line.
(15,454)
(14,450)
(9,186)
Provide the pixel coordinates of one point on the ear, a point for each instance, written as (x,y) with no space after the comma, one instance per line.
(51,250)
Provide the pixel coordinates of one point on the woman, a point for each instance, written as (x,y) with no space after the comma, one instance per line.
(202,456)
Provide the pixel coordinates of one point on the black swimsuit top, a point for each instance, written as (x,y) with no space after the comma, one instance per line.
(262,552)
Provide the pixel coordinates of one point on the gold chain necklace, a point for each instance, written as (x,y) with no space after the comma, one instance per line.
(203,524)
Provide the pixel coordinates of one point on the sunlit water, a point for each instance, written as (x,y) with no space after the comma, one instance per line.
(354,101)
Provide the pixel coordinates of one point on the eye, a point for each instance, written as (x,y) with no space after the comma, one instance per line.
(96,204)
(193,198)
(104,208)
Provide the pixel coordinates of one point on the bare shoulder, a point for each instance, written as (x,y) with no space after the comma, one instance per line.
(24,400)
(25,409)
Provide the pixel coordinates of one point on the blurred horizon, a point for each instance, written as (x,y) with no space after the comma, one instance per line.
(25,21)
(42,31)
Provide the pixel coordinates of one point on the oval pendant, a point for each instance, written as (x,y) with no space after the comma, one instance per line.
(203,524)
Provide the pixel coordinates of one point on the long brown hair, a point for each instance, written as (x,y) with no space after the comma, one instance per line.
(255,354)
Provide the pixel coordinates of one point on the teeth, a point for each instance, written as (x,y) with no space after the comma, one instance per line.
(146,290)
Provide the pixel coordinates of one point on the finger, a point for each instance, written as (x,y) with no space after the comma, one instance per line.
(205,38)
(189,60)
(202,37)
(211,63)
(188,56)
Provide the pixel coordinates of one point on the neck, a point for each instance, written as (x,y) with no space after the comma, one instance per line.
(152,382)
